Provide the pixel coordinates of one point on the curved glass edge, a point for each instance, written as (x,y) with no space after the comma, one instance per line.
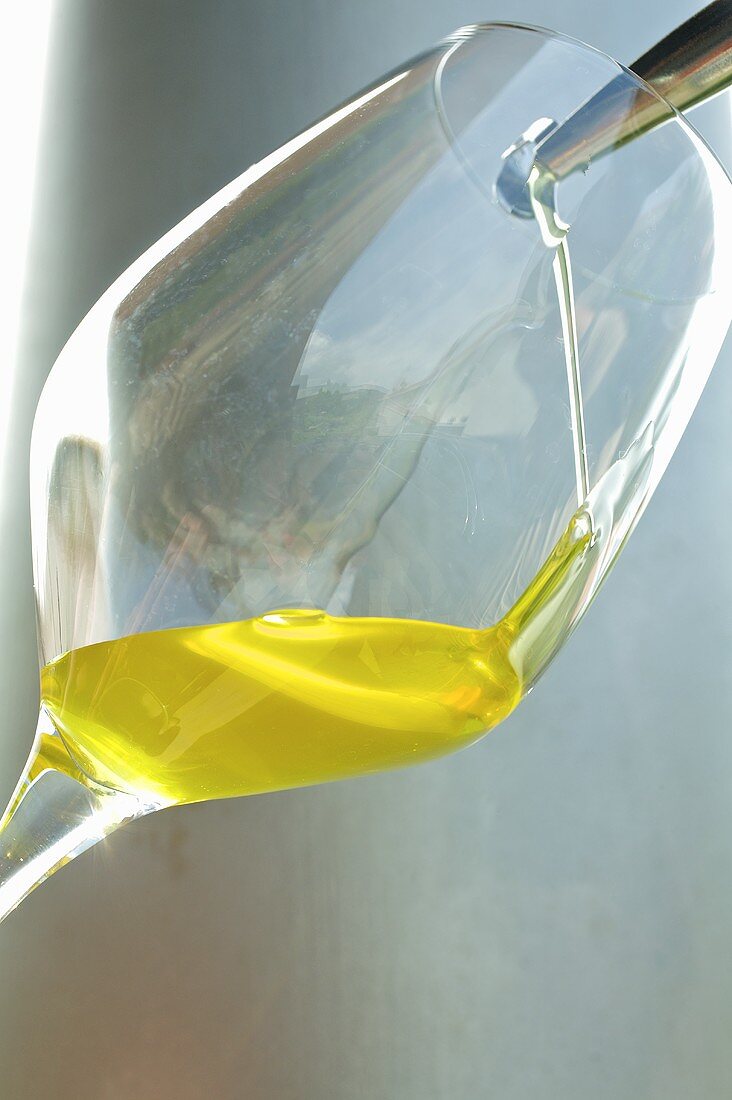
(471,30)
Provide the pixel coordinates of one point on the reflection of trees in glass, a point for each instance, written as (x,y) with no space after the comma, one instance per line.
(334,416)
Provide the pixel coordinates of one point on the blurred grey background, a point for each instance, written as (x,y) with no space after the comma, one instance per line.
(546,915)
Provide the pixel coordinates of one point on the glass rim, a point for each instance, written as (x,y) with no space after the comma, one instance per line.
(473,30)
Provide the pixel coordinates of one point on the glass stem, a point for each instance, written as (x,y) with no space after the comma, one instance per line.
(55,813)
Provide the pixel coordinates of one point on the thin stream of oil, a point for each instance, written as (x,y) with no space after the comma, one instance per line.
(555,234)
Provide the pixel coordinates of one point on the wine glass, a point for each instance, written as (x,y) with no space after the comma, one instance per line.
(327,477)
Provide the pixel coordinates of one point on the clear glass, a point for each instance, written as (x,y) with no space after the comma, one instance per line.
(337,393)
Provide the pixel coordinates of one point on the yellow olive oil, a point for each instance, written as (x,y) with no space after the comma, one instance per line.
(291,698)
